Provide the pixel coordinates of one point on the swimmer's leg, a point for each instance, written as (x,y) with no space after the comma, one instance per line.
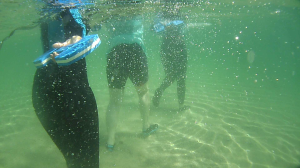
(112,113)
(168,80)
(181,91)
(73,127)
(144,104)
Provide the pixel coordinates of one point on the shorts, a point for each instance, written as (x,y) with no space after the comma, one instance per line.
(126,60)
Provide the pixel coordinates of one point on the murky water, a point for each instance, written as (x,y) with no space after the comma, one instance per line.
(242,87)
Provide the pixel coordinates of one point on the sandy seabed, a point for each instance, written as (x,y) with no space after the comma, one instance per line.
(224,128)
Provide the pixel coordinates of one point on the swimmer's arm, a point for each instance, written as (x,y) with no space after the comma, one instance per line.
(72,40)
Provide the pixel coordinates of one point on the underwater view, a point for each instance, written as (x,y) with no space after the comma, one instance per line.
(237,107)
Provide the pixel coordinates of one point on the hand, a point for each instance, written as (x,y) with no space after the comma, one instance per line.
(72,40)
(53,55)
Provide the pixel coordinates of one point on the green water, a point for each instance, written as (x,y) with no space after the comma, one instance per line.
(242,86)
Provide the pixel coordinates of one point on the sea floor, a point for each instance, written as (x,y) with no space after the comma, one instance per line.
(229,127)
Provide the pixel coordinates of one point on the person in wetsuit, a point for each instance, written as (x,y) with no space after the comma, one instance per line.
(173,55)
(63,100)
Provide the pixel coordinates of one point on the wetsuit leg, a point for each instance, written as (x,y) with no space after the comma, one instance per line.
(181,89)
(66,107)
(174,59)
(170,75)
(181,64)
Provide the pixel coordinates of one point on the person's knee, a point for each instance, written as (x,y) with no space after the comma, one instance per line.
(115,96)
(143,92)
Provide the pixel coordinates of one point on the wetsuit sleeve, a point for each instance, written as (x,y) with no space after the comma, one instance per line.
(44,36)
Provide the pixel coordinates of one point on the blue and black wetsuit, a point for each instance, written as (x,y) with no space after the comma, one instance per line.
(64,102)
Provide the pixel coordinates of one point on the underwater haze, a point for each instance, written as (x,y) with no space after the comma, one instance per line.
(242,86)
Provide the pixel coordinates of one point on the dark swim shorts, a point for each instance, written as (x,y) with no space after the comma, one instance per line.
(126,60)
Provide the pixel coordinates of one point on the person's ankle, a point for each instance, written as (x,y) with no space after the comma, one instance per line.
(110,141)
(150,130)
(145,127)
(110,147)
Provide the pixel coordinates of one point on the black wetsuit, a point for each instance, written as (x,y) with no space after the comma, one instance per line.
(174,59)
(66,106)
